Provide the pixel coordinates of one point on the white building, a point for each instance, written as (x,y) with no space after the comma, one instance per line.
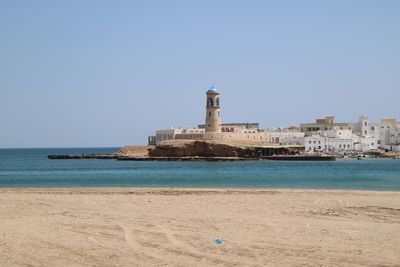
(285,136)
(384,134)
(317,143)
(337,133)
(365,144)
(394,140)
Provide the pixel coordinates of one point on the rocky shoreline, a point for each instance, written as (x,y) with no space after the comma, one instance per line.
(194,158)
(202,151)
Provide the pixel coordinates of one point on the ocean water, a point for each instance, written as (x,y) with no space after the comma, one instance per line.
(32,168)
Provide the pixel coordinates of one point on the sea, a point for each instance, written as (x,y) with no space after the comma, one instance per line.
(32,168)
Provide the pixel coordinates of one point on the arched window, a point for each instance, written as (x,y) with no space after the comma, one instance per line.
(217,101)
(210,102)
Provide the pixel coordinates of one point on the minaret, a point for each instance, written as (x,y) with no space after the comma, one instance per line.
(213,111)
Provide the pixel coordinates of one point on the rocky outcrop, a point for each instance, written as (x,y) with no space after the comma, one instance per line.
(200,149)
(192,150)
(135,151)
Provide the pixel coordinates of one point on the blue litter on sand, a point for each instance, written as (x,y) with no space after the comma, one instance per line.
(218,241)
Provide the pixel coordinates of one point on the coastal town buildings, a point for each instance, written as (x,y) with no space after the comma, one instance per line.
(324,135)
(339,140)
(366,135)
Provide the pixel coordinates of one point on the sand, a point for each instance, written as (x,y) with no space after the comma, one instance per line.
(178,227)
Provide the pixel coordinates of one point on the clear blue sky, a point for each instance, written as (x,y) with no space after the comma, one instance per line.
(108,73)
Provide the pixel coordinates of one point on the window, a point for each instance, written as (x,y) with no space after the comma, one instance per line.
(217,101)
(365,132)
(209,113)
(309,142)
(365,123)
(372,128)
(340,146)
(218,113)
(210,102)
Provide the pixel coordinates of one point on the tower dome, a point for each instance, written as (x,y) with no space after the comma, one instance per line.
(212,90)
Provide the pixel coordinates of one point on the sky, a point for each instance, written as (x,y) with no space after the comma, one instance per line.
(109,73)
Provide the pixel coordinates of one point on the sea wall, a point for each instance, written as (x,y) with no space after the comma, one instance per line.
(224,136)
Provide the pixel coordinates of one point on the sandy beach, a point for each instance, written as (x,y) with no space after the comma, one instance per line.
(178,227)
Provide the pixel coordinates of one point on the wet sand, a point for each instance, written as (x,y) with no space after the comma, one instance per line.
(178,227)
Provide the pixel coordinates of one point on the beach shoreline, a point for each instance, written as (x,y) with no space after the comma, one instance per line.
(179,226)
(181,190)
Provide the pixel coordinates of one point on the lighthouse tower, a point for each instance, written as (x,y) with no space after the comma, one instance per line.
(213,111)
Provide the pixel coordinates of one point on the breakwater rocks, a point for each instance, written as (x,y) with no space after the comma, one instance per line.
(84,156)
